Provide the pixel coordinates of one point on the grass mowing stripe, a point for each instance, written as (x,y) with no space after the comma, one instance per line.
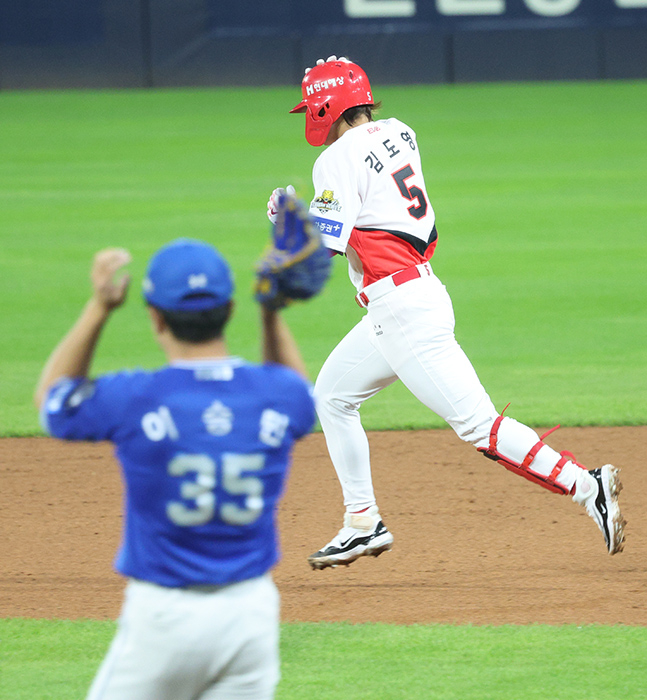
(56,660)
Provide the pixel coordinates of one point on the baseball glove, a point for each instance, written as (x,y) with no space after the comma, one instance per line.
(297,265)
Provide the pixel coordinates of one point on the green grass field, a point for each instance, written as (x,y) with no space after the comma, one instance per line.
(540,192)
(541,204)
(359,662)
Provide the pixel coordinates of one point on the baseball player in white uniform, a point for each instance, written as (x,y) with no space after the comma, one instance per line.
(372,206)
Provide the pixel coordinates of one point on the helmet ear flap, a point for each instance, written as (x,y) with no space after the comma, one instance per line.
(318,128)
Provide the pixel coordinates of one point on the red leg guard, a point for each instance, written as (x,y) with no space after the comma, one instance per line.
(524,468)
(547,482)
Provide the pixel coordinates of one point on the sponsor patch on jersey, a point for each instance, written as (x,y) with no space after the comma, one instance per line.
(326,202)
(328,227)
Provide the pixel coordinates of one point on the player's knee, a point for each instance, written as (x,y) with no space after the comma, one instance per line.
(475,431)
(330,405)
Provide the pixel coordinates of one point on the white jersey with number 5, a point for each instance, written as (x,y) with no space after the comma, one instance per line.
(371,202)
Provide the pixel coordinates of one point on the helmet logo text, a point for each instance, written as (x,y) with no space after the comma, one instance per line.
(323,85)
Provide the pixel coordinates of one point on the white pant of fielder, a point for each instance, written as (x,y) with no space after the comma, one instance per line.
(190,644)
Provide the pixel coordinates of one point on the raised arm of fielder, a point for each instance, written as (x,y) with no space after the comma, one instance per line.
(72,357)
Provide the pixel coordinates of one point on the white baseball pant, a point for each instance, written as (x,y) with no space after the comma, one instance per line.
(407,334)
(185,644)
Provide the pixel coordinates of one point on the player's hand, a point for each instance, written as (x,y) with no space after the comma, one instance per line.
(273,201)
(110,288)
(297,264)
(321,61)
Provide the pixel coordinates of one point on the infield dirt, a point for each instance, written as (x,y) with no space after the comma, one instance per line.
(473,543)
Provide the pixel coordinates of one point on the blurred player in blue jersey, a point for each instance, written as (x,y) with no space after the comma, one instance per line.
(204,445)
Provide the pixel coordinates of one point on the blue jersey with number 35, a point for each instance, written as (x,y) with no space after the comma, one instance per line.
(205,448)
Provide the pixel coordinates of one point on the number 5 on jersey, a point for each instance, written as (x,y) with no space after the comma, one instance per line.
(411,193)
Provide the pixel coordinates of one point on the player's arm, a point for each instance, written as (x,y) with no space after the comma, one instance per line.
(295,267)
(337,203)
(72,357)
(279,345)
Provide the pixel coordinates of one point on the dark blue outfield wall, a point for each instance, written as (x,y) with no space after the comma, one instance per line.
(140,43)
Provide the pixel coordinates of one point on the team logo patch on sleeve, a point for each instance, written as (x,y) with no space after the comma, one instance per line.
(84,391)
(58,395)
(326,202)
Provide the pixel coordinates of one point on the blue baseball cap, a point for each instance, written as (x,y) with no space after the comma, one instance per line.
(188,275)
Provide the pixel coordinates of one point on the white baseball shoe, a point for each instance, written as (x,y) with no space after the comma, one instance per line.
(363,535)
(597,490)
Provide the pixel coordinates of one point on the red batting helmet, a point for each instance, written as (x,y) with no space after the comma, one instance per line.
(329,89)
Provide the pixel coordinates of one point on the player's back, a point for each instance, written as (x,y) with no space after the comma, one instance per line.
(372,203)
(377,170)
(204,448)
